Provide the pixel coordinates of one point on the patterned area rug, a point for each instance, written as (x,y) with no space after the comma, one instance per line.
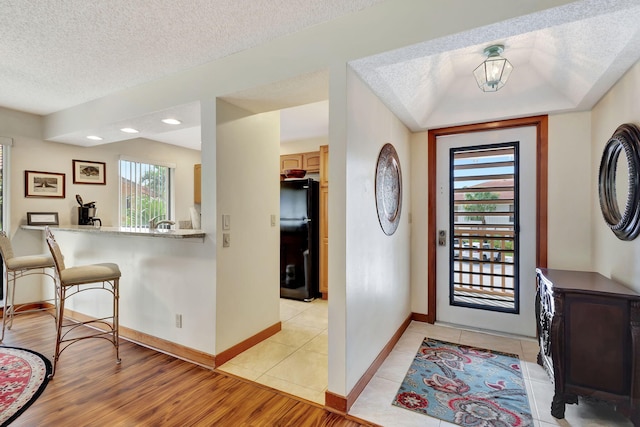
(23,376)
(465,385)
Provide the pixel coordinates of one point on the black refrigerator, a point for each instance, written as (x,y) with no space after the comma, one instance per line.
(299,239)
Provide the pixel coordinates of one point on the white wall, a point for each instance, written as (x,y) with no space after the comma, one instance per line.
(570,192)
(248,189)
(302,145)
(337,208)
(14,123)
(419,211)
(612,257)
(377,266)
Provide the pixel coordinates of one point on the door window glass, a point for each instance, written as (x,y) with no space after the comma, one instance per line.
(484,223)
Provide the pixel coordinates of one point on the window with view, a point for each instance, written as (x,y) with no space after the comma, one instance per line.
(144,193)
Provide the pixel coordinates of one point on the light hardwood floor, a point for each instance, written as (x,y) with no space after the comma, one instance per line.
(150,389)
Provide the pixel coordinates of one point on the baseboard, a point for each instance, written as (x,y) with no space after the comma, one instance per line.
(180,351)
(27,307)
(419,317)
(342,404)
(335,402)
(177,350)
(232,352)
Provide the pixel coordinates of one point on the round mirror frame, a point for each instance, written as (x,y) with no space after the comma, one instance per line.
(388,189)
(626,138)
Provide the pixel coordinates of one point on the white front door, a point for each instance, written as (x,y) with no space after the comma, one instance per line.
(486,224)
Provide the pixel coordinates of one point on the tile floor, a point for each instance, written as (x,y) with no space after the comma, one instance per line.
(374,404)
(295,361)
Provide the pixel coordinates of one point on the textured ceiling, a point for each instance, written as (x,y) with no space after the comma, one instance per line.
(59,54)
(563,59)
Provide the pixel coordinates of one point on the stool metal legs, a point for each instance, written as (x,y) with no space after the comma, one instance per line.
(105,327)
(10,309)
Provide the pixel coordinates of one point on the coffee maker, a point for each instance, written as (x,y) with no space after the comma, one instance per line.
(87,213)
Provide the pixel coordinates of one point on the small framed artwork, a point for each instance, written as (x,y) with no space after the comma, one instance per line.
(42,218)
(44,184)
(88,172)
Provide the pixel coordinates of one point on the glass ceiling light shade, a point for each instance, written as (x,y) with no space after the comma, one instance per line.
(494,72)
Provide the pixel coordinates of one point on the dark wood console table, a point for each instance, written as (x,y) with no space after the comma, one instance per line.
(589,335)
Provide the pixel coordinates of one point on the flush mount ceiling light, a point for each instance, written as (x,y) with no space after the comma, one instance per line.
(129,130)
(171,121)
(493,73)
(94,138)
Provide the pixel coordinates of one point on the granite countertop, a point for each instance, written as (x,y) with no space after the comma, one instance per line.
(124,231)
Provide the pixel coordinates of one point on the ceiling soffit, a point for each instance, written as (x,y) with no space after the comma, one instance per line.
(564,59)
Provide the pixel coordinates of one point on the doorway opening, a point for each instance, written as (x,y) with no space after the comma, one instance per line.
(541,149)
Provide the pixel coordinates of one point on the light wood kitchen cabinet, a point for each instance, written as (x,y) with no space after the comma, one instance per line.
(308,161)
(324,221)
(197,183)
(324,165)
(290,161)
(311,162)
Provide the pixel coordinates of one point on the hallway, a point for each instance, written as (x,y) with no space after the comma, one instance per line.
(295,359)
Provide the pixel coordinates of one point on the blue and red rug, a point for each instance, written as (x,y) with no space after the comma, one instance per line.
(23,376)
(465,385)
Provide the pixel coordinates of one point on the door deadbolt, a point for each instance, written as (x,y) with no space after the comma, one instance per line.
(442,238)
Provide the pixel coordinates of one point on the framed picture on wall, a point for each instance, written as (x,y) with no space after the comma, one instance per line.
(42,218)
(88,172)
(44,184)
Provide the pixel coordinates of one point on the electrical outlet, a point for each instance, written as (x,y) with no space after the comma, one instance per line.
(226,240)
(178,320)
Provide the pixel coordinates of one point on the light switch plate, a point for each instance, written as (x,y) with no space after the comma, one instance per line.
(273,220)
(226,222)
(226,240)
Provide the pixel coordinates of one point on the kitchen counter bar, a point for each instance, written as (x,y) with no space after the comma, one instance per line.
(125,231)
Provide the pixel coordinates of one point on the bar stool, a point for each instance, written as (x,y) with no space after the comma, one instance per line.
(73,280)
(16,267)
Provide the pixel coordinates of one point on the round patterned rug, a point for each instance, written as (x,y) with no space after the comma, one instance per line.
(23,376)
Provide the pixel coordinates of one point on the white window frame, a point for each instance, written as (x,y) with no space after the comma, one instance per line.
(171,190)
(6,143)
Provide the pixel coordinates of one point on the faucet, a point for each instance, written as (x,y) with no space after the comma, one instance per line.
(154,223)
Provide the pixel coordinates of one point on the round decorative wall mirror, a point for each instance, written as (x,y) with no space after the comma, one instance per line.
(618,180)
(388,189)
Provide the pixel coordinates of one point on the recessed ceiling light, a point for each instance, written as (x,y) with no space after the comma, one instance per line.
(129,130)
(171,121)
(94,138)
